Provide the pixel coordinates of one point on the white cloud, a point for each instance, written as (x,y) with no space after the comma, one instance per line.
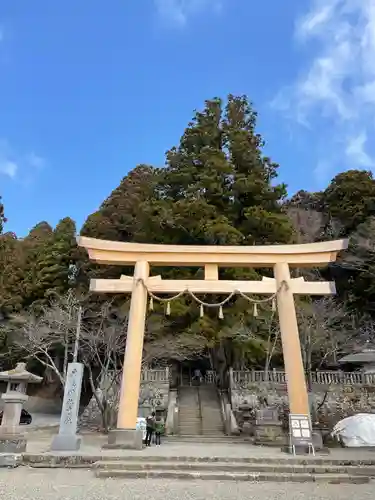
(8,168)
(14,165)
(35,161)
(178,12)
(336,89)
(356,149)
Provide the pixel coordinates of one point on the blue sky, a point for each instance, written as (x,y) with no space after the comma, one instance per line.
(89,89)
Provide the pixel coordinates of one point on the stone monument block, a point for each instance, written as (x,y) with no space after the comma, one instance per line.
(268,428)
(67,439)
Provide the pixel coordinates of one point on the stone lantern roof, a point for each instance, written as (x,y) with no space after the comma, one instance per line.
(20,374)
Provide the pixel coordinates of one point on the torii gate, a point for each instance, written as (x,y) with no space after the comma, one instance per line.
(280,257)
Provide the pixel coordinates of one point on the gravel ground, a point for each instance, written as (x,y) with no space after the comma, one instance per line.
(63,484)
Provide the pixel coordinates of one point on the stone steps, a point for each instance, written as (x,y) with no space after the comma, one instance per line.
(235,467)
(189,431)
(189,416)
(261,468)
(199,412)
(217,438)
(218,470)
(212,421)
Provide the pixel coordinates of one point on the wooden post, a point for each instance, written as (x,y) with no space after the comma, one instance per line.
(131,375)
(295,374)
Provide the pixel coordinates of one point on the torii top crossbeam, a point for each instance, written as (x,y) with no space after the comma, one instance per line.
(305,255)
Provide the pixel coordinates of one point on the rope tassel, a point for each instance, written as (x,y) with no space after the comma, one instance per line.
(273,304)
(255,311)
(201,311)
(221,313)
(168,311)
(151,304)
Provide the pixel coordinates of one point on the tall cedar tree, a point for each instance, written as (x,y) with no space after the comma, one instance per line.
(118,219)
(56,261)
(34,245)
(11,276)
(217,188)
(256,209)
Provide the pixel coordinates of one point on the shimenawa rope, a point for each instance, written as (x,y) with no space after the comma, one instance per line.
(256,302)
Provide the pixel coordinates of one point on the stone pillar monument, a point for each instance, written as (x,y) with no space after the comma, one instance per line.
(67,439)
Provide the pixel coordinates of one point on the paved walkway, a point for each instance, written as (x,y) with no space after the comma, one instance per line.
(39,442)
(63,484)
(26,483)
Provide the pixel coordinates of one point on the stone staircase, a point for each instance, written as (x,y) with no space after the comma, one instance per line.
(212,419)
(199,412)
(211,462)
(189,414)
(235,469)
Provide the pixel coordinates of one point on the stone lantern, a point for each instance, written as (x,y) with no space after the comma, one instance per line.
(246,413)
(12,439)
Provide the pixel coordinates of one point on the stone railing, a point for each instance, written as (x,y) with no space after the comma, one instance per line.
(158,375)
(210,377)
(238,378)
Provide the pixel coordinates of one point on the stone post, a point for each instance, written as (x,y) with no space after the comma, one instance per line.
(12,439)
(126,435)
(67,439)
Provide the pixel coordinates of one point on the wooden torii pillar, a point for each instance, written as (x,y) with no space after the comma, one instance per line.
(279,257)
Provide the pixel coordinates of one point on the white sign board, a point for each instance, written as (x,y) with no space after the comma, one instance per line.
(300,430)
(141,425)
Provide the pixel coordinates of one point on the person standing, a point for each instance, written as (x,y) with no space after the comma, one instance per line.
(150,428)
(197,375)
(158,430)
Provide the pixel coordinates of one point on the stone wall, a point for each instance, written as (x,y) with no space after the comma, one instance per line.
(43,398)
(340,401)
(154,394)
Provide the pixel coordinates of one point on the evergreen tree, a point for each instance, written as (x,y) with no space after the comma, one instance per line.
(192,201)
(350,199)
(34,246)
(256,209)
(55,266)
(11,275)
(117,217)
(355,272)
(217,188)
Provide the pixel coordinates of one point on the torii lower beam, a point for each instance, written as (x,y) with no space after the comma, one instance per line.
(280,257)
(156,284)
